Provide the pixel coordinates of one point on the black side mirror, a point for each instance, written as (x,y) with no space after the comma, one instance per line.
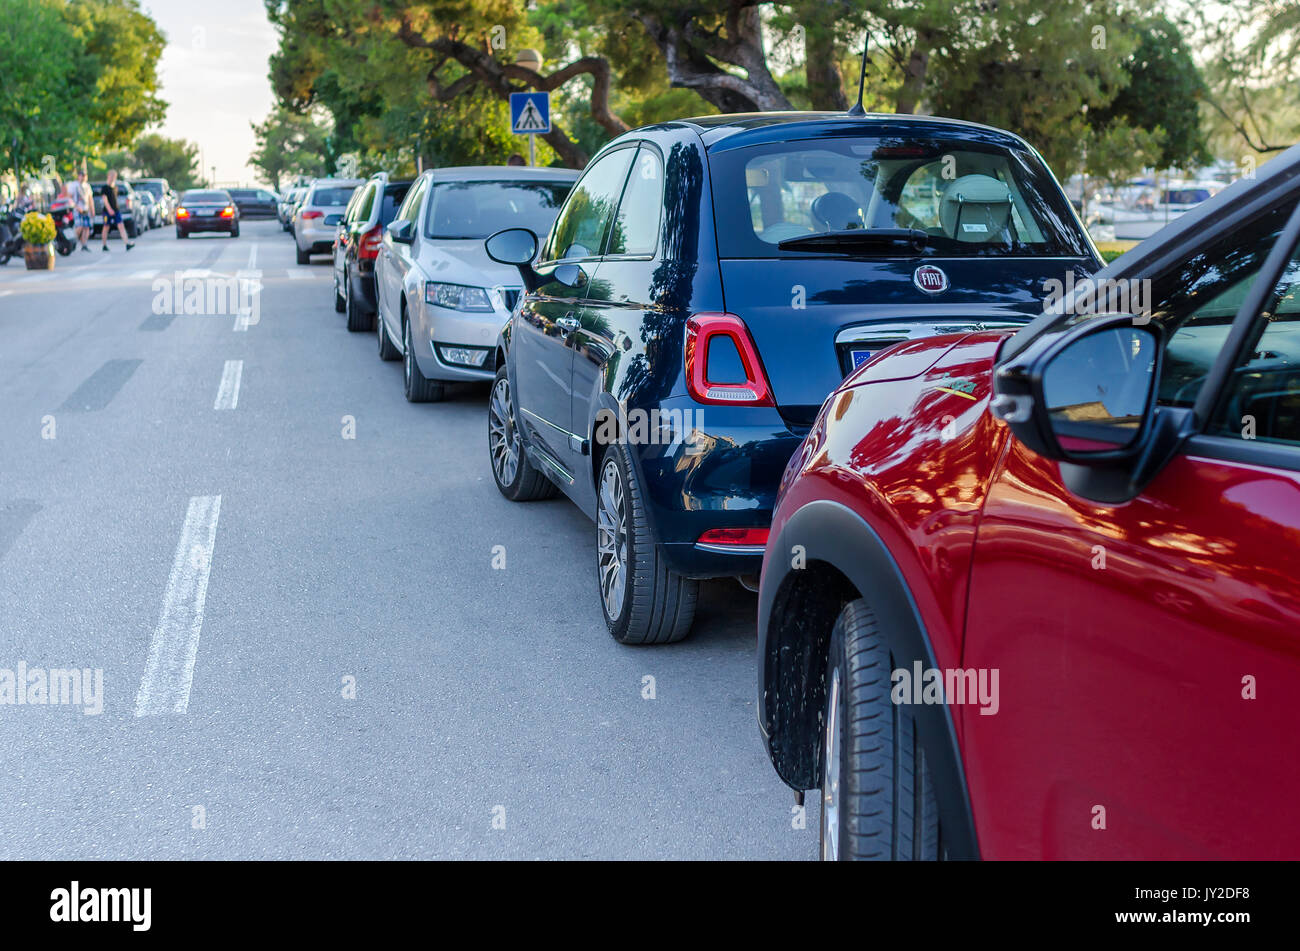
(402,231)
(517,246)
(1087,397)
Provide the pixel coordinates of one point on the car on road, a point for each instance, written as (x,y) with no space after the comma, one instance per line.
(126,206)
(150,213)
(707,283)
(1098,513)
(255,202)
(315,222)
(441,301)
(162,192)
(289,201)
(207,209)
(360,236)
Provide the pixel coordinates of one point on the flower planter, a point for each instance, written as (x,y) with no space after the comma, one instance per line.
(39,257)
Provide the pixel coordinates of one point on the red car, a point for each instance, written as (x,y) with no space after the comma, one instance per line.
(1036,594)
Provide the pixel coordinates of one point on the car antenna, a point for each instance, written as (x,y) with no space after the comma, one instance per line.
(857,109)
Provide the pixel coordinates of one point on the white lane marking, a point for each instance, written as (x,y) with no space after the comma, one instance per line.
(169,669)
(5,293)
(143,275)
(228,391)
(252,256)
(300,275)
(241,322)
(89,275)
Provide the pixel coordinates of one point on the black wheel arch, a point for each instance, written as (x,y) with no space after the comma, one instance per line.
(843,559)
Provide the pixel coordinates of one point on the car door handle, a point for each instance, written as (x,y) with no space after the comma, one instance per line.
(568,324)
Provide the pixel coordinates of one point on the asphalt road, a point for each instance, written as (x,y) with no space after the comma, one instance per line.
(242,563)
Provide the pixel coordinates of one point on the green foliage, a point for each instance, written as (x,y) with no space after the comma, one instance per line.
(173,159)
(289,144)
(37,228)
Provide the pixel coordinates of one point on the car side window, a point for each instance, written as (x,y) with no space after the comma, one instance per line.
(636,226)
(411,207)
(364,206)
(1197,300)
(584,222)
(1261,399)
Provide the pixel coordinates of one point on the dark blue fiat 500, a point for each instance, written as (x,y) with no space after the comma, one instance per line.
(708,282)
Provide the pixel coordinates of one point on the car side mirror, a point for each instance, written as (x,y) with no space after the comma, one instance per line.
(1087,396)
(402,231)
(571,275)
(517,246)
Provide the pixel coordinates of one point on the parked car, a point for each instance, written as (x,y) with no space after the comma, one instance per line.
(441,301)
(126,206)
(1097,512)
(360,236)
(316,220)
(255,202)
(708,282)
(150,214)
(162,193)
(288,202)
(207,209)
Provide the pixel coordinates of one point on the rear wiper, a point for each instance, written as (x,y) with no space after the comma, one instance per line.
(857,239)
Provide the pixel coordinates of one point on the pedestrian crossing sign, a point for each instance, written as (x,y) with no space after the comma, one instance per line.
(530,112)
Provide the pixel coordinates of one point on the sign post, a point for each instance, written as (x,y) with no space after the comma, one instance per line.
(530,114)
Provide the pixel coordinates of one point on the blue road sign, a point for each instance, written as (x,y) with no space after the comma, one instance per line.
(530,112)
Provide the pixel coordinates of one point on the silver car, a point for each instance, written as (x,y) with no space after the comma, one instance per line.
(316,220)
(441,299)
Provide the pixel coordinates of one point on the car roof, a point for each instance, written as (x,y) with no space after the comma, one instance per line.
(465,173)
(756,127)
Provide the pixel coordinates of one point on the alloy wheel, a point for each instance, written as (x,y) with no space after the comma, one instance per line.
(503,436)
(611,539)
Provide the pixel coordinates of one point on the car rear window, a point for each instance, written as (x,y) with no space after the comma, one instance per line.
(243,193)
(966,197)
(332,197)
(478,209)
(206,196)
(393,195)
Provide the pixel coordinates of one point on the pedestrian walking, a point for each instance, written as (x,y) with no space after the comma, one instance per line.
(83,206)
(111,214)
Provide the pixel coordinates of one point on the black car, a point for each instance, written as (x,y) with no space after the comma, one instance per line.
(708,282)
(207,210)
(255,202)
(360,236)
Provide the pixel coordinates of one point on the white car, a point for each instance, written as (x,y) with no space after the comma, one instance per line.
(318,217)
(441,299)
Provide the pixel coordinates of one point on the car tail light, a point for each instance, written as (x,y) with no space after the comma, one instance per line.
(306,215)
(734,538)
(702,330)
(182,212)
(228,211)
(371,241)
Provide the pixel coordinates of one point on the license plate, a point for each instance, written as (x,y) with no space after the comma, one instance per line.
(860,357)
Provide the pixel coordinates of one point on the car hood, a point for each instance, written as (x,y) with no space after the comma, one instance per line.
(464,262)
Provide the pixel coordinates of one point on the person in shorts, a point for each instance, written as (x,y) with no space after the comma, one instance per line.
(83,203)
(112,216)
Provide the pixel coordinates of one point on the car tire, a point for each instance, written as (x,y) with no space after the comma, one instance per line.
(340,305)
(387,351)
(514,474)
(304,257)
(182,234)
(878,796)
(417,387)
(358,319)
(643,600)
(234,232)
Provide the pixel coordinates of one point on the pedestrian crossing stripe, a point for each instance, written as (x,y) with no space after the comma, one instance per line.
(530,112)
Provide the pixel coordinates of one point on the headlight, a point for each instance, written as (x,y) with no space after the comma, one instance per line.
(457,297)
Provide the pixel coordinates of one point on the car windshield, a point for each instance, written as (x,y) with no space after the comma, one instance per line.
(206,196)
(332,197)
(889,195)
(478,209)
(153,188)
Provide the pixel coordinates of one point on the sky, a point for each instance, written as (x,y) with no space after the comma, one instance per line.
(214,78)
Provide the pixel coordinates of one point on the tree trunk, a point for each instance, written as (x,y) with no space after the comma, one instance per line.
(822,72)
(909,95)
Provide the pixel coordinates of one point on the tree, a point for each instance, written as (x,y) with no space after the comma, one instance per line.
(173,159)
(122,44)
(290,143)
